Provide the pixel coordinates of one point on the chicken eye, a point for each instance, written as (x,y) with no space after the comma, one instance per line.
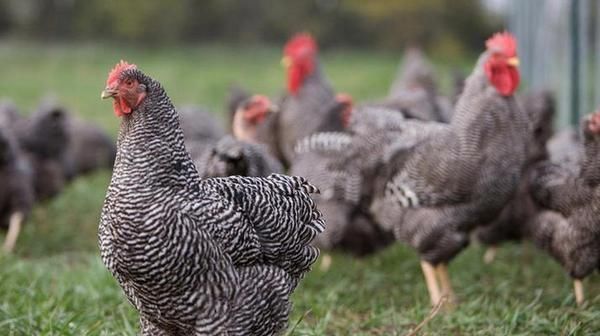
(129,82)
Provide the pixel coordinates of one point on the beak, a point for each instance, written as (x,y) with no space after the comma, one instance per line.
(108,93)
(514,61)
(286,62)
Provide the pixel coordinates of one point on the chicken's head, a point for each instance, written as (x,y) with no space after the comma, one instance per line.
(251,113)
(501,66)
(299,57)
(346,105)
(123,85)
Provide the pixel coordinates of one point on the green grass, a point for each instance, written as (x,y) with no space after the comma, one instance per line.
(55,283)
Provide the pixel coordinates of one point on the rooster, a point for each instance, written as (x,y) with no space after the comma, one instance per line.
(218,256)
(512,222)
(439,186)
(310,105)
(568,227)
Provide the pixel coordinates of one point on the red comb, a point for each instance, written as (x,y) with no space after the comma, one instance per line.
(300,44)
(115,73)
(504,42)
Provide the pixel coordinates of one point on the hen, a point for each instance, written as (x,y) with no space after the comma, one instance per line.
(439,187)
(218,256)
(414,90)
(229,157)
(349,226)
(569,226)
(310,105)
(45,138)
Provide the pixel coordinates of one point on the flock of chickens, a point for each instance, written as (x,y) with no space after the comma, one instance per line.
(207,236)
(40,154)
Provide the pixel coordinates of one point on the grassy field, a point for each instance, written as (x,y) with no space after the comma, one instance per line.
(55,283)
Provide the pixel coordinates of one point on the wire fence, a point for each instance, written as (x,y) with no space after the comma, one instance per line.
(559,48)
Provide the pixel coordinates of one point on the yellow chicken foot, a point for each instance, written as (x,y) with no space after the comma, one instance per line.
(431,281)
(490,254)
(14,227)
(578,288)
(325,262)
(447,291)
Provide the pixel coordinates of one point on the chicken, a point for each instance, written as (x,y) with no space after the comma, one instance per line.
(44,137)
(310,105)
(512,222)
(230,156)
(438,188)
(201,130)
(414,91)
(349,226)
(90,148)
(569,227)
(255,122)
(199,124)
(218,256)
(565,148)
(16,189)
(235,97)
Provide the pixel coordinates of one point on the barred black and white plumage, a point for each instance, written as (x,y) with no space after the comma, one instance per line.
(517,215)
(568,227)
(349,226)
(414,90)
(204,257)
(230,156)
(314,107)
(447,184)
(436,189)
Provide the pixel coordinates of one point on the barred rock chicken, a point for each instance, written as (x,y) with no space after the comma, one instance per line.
(436,190)
(349,226)
(336,163)
(229,157)
(235,97)
(16,189)
(44,137)
(255,122)
(201,129)
(310,105)
(569,226)
(512,222)
(218,256)
(414,91)
(566,149)
(90,148)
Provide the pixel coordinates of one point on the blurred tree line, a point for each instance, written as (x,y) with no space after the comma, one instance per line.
(451,26)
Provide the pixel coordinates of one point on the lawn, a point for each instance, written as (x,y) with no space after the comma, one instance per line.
(55,283)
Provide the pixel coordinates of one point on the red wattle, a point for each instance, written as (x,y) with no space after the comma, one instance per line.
(503,77)
(121,107)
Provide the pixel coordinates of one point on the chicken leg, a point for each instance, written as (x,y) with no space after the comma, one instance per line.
(431,281)
(447,291)
(490,254)
(14,227)
(578,288)
(325,262)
